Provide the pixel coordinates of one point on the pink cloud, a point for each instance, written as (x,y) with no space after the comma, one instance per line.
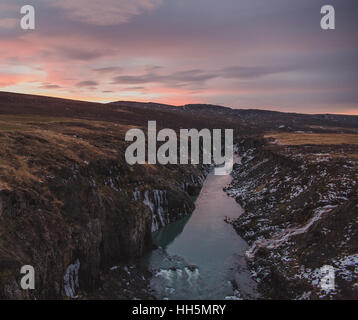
(112,12)
(9,23)
(9,79)
(182,53)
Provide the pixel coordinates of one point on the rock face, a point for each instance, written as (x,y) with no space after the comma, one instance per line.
(300,214)
(75,235)
(87,222)
(167,206)
(71,207)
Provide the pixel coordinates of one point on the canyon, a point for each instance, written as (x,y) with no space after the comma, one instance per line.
(74,209)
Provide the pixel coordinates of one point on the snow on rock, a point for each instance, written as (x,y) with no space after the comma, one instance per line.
(283,237)
(347,267)
(157,202)
(71,283)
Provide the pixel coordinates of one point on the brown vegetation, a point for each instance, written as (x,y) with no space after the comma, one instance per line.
(314,138)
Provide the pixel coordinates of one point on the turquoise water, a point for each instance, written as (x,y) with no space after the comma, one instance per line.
(200,255)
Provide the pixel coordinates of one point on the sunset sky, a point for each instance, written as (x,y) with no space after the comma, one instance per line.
(268,54)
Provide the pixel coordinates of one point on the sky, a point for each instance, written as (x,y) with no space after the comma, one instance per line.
(269,54)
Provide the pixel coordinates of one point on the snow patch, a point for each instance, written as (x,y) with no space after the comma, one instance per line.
(71,283)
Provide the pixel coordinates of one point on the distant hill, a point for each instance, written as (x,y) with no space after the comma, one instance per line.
(191,115)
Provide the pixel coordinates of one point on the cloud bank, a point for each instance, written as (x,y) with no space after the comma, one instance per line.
(240,53)
(105,13)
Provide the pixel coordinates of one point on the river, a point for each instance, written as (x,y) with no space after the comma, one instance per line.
(201,256)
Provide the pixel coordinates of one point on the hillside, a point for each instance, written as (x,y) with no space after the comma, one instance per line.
(299,192)
(68,197)
(72,207)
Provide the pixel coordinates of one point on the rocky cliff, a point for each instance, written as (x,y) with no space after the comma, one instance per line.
(72,208)
(300,215)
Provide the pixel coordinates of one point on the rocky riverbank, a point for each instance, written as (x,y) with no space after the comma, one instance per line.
(301,210)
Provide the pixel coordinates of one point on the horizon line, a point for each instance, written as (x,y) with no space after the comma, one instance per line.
(173,105)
